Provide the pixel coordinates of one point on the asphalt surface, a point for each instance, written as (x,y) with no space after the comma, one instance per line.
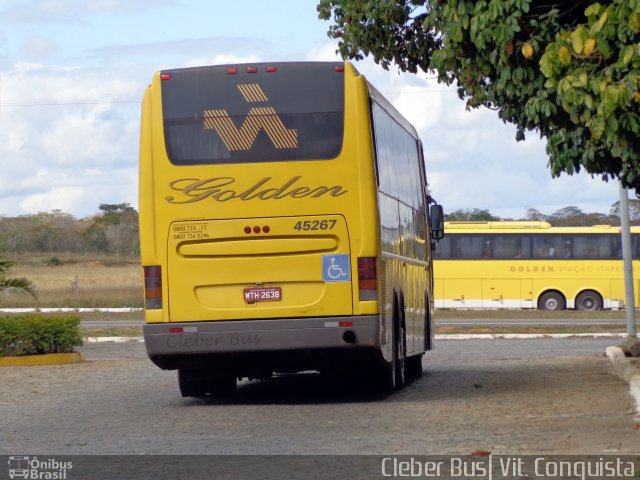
(547,396)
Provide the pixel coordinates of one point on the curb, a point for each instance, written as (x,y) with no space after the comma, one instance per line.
(113,339)
(44,359)
(72,310)
(627,368)
(449,336)
(524,336)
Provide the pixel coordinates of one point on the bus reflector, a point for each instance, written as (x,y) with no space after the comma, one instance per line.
(338,69)
(272,69)
(153,287)
(367,278)
(252,69)
(165,76)
(232,70)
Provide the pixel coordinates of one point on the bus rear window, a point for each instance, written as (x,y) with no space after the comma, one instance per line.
(253,113)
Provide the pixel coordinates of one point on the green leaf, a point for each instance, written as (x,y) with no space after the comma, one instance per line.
(593,9)
(588,101)
(626,54)
(597,26)
(578,37)
(564,55)
(597,127)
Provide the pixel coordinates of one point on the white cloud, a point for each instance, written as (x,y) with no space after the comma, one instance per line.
(38,48)
(74,10)
(55,134)
(62,198)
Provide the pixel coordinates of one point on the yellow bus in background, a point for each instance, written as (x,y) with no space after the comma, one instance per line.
(284,226)
(531,265)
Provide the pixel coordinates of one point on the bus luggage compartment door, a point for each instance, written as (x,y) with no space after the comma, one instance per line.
(278,267)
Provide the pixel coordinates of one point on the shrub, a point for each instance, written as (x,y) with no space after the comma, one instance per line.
(36,334)
(53,262)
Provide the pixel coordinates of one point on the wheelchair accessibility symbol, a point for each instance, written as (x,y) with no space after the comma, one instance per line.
(336,268)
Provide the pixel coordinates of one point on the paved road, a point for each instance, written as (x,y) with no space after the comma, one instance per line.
(502,396)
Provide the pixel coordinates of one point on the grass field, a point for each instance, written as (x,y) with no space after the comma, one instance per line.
(78,282)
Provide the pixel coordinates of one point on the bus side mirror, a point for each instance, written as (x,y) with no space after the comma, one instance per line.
(436,215)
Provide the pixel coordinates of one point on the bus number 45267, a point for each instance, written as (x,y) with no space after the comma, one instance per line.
(308,225)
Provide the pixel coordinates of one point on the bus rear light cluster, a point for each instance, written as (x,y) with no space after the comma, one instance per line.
(367,278)
(257,229)
(153,287)
(252,69)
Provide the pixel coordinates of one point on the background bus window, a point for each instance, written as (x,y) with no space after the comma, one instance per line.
(511,247)
(592,246)
(548,246)
(443,248)
(467,247)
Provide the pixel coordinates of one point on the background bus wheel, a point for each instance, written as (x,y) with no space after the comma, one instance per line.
(589,300)
(551,301)
(192,383)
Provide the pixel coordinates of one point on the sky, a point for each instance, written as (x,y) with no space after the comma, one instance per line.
(72,75)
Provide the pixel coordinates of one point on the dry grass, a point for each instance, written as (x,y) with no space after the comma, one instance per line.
(78,283)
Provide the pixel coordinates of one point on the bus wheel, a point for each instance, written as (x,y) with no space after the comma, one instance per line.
(192,383)
(589,300)
(414,366)
(551,301)
(223,385)
(400,357)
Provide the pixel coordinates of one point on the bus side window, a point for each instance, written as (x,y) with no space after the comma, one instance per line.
(544,248)
(487,251)
(469,247)
(443,248)
(566,250)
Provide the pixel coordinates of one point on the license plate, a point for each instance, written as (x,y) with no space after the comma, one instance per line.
(261,294)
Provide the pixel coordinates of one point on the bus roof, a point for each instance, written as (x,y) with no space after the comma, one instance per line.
(520,226)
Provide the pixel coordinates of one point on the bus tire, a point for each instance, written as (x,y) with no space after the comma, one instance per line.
(589,300)
(222,385)
(390,376)
(385,378)
(400,352)
(191,383)
(414,366)
(551,301)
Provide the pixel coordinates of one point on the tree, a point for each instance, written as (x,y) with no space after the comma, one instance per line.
(115,229)
(568,69)
(471,215)
(634,211)
(8,283)
(535,215)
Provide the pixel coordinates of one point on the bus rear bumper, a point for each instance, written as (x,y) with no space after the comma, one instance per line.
(173,345)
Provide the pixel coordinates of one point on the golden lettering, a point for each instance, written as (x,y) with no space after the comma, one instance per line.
(220,190)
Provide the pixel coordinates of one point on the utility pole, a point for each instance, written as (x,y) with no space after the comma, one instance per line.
(627,257)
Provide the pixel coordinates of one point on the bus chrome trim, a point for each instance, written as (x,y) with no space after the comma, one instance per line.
(260,335)
(412,261)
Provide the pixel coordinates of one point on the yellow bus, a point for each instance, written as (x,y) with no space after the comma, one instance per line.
(284,226)
(531,265)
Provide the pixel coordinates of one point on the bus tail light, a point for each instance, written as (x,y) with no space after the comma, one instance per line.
(367,278)
(153,287)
